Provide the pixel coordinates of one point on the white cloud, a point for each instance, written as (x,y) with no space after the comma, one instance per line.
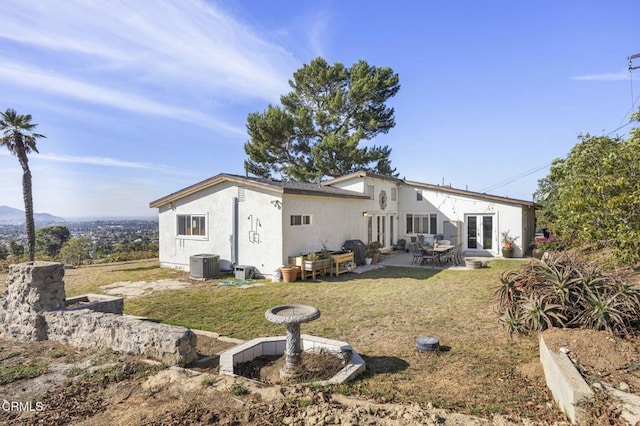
(611,76)
(186,61)
(49,82)
(317,32)
(97,161)
(189,42)
(92,161)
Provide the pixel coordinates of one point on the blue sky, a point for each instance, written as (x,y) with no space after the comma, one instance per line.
(141,98)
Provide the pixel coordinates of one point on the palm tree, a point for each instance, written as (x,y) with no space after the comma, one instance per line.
(18,137)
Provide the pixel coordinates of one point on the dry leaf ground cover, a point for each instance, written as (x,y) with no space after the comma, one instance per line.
(380,313)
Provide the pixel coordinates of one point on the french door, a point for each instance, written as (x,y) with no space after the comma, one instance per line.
(481,232)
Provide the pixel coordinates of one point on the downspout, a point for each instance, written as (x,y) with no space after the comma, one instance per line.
(234,230)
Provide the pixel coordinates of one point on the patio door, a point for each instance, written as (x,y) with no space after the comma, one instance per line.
(480,232)
(381,221)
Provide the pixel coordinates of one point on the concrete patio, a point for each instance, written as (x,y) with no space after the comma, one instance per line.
(405,259)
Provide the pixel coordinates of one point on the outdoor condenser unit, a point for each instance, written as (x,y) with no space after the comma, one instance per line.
(203,266)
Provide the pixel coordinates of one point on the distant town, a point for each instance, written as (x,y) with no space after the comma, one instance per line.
(104,236)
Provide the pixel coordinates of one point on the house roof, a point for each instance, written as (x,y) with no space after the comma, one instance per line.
(360,174)
(277,186)
(463,192)
(447,189)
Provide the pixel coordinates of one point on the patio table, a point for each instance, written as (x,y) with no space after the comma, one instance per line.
(438,250)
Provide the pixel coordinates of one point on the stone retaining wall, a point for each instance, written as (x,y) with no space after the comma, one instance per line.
(96,303)
(34,308)
(172,345)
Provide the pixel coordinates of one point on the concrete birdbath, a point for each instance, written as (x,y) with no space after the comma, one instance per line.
(292,316)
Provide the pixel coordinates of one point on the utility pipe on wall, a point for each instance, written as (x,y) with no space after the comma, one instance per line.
(234,230)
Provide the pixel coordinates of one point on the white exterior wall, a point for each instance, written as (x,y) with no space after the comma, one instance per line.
(259,228)
(454,207)
(375,211)
(333,221)
(266,237)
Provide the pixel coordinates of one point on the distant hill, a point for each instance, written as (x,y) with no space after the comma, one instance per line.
(11,216)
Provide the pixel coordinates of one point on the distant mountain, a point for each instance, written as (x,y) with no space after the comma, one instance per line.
(11,216)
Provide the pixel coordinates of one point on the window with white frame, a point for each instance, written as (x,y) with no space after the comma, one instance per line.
(419,196)
(300,219)
(192,225)
(422,223)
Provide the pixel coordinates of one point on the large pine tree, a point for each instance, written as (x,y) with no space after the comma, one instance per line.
(318,129)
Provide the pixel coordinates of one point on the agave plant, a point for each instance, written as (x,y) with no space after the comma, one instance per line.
(564,290)
(538,314)
(508,292)
(560,277)
(614,311)
(511,323)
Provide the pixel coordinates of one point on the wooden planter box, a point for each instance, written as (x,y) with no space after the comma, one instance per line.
(311,268)
(342,262)
(297,260)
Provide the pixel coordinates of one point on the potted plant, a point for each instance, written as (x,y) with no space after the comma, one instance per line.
(373,251)
(546,244)
(289,273)
(402,243)
(507,244)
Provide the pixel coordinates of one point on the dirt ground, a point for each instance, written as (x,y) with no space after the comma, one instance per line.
(64,385)
(314,367)
(599,356)
(96,387)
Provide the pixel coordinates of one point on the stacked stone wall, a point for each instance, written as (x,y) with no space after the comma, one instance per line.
(172,345)
(34,308)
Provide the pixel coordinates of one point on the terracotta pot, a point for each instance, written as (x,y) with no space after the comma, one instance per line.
(289,275)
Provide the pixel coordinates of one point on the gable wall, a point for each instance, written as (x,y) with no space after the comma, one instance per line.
(375,212)
(259,228)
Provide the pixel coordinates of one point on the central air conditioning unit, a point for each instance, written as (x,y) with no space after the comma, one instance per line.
(203,266)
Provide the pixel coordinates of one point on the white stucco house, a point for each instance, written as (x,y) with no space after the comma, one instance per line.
(261,222)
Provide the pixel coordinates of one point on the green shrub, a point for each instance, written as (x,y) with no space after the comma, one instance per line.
(564,290)
(239,389)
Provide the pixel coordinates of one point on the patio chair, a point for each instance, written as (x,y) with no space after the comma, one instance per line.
(429,256)
(453,255)
(417,252)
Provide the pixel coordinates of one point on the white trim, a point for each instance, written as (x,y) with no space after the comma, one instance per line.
(191,216)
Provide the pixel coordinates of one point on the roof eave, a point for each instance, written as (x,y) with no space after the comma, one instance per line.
(295,191)
(360,174)
(208,183)
(471,193)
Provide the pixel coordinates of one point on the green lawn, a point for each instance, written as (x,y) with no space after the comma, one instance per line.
(380,314)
